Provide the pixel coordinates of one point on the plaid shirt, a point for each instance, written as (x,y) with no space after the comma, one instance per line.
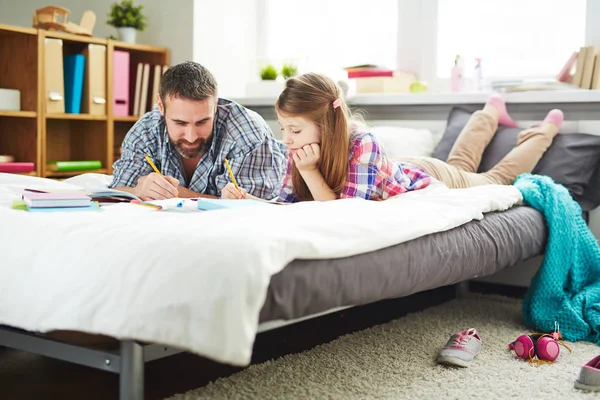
(371,175)
(256,158)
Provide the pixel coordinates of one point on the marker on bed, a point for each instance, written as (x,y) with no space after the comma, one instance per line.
(231,175)
(154,167)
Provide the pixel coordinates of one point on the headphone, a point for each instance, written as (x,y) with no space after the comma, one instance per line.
(543,345)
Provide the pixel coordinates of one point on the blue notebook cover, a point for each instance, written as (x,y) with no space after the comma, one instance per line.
(73,66)
(219,204)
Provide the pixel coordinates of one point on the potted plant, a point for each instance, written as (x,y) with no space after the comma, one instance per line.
(128,19)
(268,73)
(289,70)
(268,85)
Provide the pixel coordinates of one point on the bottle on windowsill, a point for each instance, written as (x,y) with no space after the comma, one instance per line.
(457,75)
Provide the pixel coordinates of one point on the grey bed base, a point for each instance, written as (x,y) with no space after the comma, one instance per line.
(307,288)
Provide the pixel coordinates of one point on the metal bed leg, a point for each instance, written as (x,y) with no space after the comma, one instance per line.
(131,378)
(462,288)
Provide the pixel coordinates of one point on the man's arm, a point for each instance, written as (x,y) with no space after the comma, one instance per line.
(260,171)
(133,174)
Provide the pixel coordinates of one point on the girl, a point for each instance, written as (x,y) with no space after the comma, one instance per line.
(331,157)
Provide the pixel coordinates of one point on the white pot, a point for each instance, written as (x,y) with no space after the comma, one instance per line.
(127,34)
(265,88)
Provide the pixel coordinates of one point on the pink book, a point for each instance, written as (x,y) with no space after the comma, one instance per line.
(71,199)
(369,73)
(17,167)
(121,83)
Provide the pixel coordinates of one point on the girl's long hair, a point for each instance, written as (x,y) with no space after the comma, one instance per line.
(311,96)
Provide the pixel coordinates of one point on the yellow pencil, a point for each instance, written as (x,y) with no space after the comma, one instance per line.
(231,175)
(154,166)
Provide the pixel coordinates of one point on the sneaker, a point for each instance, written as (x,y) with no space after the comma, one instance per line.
(461,349)
(589,376)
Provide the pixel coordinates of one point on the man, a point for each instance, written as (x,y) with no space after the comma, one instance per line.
(188,136)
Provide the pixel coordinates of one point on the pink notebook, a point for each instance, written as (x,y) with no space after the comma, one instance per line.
(121,83)
(43,200)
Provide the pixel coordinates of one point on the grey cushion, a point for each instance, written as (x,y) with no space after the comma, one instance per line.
(571,161)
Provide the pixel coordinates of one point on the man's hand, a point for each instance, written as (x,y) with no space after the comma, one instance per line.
(307,157)
(231,192)
(156,187)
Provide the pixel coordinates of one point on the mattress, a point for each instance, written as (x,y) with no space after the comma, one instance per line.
(476,249)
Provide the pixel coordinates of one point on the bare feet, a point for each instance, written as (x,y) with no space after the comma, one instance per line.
(503,118)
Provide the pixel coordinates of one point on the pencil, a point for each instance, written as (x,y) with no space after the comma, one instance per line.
(231,175)
(152,164)
(154,167)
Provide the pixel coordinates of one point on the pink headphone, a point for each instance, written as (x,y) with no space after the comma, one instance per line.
(544,346)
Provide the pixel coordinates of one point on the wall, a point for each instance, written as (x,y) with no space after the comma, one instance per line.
(170,26)
(225,34)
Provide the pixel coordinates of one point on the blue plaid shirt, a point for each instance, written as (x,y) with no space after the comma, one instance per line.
(256,158)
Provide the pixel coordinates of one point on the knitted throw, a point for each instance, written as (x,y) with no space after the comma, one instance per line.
(566,288)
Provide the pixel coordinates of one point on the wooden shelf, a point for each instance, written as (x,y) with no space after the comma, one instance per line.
(129,118)
(138,47)
(78,117)
(18,29)
(67,174)
(75,38)
(18,114)
(45,132)
(32,173)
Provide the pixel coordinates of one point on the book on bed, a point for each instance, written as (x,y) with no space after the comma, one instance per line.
(101,194)
(55,200)
(106,195)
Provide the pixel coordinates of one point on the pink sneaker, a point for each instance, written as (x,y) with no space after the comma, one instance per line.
(589,376)
(461,349)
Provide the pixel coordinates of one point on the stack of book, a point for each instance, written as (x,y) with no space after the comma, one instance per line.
(370,78)
(587,68)
(43,201)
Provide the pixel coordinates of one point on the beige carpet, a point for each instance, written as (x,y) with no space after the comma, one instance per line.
(397,361)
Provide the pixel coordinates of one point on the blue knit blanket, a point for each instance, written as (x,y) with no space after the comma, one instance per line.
(566,288)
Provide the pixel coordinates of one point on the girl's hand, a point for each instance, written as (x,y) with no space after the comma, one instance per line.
(307,157)
(230,192)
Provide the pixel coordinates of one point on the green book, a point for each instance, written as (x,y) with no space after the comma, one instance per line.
(65,166)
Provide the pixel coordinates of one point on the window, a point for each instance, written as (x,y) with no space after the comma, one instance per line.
(514,38)
(326,36)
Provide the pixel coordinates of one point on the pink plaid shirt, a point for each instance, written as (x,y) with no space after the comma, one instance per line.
(371,175)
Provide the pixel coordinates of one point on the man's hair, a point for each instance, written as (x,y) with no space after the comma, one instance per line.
(188,80)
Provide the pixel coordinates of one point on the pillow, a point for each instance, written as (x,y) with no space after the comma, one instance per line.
(401,142)
(571,160)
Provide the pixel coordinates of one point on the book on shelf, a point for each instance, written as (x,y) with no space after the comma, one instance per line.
(17,167)
(69,166)
(144,87)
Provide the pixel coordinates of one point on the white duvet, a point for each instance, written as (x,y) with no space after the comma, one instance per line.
(196,281)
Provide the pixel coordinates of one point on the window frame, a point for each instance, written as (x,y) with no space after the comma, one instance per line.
(418,18)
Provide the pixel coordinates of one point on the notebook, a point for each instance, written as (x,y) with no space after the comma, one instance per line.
(54,200)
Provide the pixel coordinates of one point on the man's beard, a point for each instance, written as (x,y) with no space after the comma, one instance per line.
(191,150)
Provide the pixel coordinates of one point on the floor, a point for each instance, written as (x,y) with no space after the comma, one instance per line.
(27,376)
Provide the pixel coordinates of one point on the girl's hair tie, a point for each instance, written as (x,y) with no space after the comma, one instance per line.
(337,103)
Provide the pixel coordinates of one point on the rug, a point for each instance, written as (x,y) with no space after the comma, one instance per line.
(397,361)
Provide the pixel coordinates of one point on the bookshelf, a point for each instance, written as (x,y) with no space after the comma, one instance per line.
(39,133)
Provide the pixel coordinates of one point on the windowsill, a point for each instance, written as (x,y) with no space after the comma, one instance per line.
(547,96)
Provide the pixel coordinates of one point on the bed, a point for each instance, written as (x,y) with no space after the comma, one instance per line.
(114,273)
